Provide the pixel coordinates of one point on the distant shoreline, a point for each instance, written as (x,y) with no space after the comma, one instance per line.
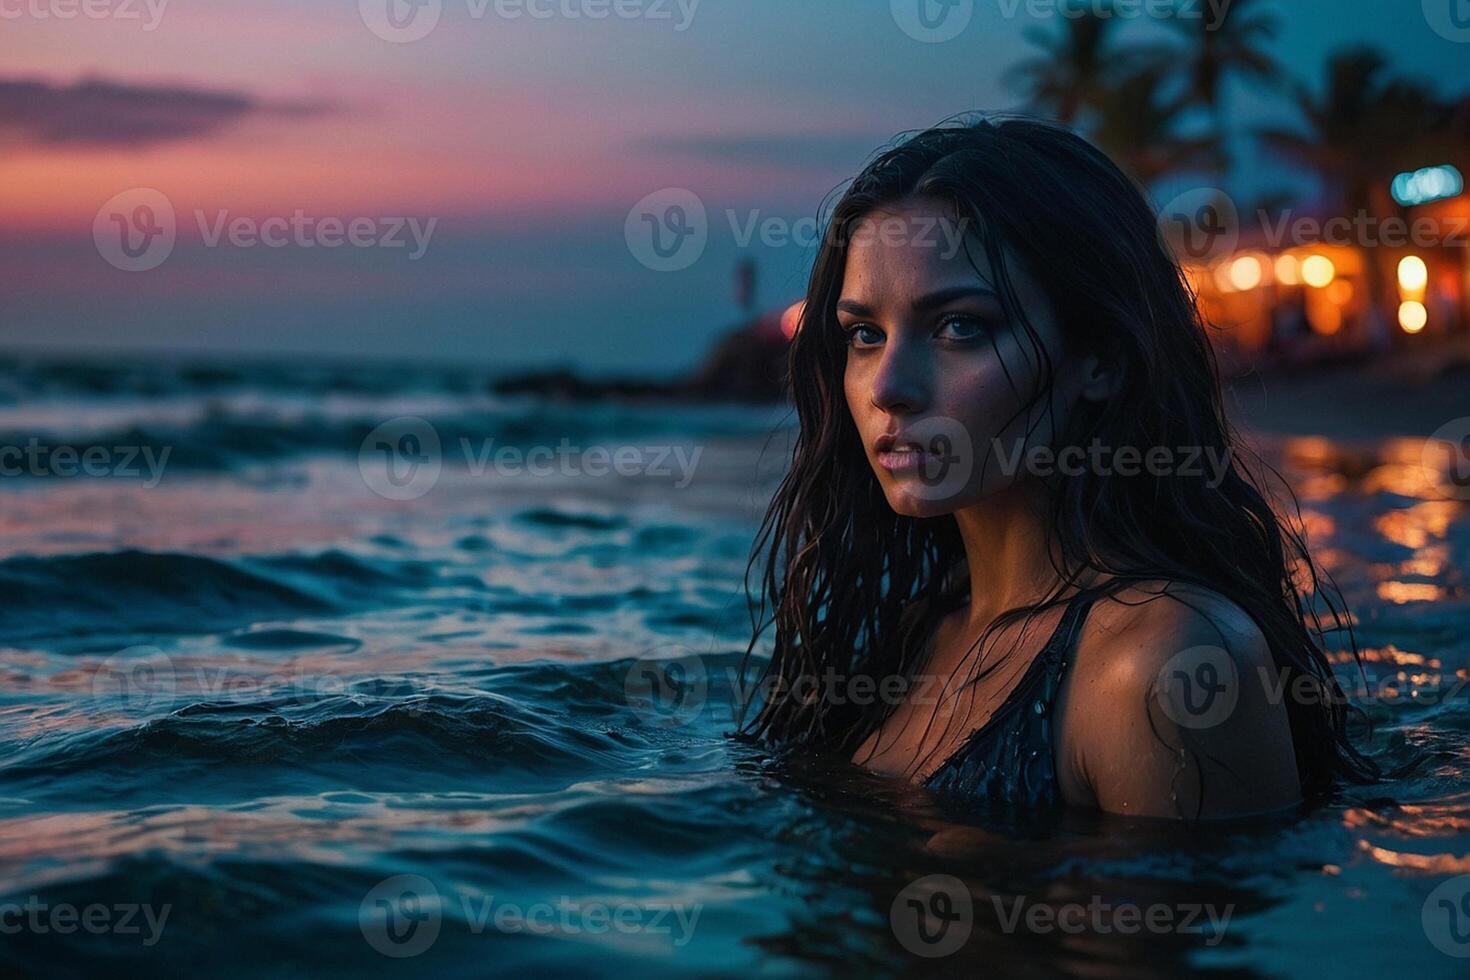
(1403,393)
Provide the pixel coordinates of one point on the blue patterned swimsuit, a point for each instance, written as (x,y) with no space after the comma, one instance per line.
(1010,761)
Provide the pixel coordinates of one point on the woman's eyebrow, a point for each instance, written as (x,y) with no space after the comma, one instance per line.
(925,303)
(943,297)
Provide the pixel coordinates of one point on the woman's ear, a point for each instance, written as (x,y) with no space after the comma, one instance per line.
(1101,376)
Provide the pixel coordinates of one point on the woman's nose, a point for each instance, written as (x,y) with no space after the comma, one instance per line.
(902,382)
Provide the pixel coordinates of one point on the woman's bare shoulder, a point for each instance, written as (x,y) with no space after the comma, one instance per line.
(1169,708)
(1150,619)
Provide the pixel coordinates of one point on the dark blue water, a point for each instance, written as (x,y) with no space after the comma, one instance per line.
(272,709)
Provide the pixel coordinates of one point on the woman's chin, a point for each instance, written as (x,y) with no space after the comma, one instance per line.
(910,503)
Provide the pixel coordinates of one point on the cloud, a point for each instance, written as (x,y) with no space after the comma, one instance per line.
(98,113)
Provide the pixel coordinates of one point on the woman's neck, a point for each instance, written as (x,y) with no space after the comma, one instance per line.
(1010,550)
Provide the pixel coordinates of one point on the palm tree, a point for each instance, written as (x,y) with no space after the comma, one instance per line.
(1362,128)
(1360,131)
(1072,69)
(1230,44)
(1136,125)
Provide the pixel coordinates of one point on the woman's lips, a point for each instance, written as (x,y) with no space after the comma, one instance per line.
(907,460)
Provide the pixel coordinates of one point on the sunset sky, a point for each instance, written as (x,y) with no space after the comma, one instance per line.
(526,139)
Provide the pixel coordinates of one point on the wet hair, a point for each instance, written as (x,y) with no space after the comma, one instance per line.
(852,587)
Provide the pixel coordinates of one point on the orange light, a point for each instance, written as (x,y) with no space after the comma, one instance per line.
(1413,316)
(791,318)
(1288,270)
(1325,318)
(1413,274)
(1222,278)
(1340,291)
(1318,270)
(1245,272)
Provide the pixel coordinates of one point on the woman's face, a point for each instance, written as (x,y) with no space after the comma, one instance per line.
(937,379)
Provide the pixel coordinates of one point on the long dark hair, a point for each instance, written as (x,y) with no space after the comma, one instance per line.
(850,585)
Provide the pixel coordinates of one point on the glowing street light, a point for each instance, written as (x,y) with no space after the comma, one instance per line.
(1288,269)
(1413,316)
(1427,184)
(1245,272)
(1318,270)
(1413,274)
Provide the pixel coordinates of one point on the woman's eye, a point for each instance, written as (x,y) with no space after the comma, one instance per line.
(863,335)
(961,328)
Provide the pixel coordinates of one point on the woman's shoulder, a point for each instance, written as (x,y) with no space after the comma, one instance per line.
(1170,708)
(1141,627)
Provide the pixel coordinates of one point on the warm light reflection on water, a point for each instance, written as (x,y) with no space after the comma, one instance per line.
(348,688)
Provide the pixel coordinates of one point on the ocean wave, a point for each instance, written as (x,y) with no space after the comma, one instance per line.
(112,594)
(217,418)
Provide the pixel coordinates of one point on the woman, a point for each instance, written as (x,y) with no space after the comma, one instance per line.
(1016,556)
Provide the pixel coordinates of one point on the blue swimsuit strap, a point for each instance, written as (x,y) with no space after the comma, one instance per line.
(1064,640)
(1050,662)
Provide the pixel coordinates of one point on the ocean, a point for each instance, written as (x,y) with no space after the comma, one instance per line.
(332,671)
